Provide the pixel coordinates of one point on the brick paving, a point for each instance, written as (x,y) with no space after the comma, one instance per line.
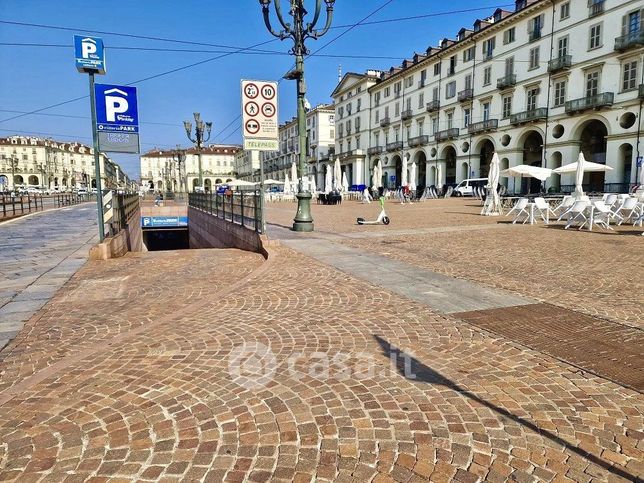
(121,380)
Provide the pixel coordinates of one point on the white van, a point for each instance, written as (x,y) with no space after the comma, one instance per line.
(466,187)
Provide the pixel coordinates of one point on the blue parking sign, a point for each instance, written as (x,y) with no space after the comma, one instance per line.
(90,54)
(116,109)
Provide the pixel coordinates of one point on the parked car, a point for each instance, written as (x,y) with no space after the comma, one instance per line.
(33,190)
(81,191)
(466,187)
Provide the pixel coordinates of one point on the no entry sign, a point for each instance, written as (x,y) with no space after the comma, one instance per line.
(259,112)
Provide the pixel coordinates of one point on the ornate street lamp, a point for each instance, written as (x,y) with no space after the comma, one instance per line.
(201,127)
(179,156)
(299,32)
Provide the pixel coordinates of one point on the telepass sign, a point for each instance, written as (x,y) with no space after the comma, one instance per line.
(259,114)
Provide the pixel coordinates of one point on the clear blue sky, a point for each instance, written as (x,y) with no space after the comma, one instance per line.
(34,77)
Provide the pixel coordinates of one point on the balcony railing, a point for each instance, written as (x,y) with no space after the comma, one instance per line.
(560,63)
(630,40)
(508,80)
(406,114)
(640,93)
(421,83)
(375,150)
(466,95)
(451,71)
(418,141)
(534,35)
(434,105)
(597,101)
(529,116)
(595,7)
(384,122)
(395,146)
(447,134)
(487,125)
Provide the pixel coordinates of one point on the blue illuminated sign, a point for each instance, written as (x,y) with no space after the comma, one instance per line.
(90,54)
(164,221)
(116,108)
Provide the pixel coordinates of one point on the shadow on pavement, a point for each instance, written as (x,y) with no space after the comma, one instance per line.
(409,366)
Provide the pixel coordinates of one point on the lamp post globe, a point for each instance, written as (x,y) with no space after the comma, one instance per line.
(299,32)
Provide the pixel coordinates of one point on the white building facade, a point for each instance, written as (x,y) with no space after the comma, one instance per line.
(46,163)
(247,165)
(537,85)
(178,170)
(320,131)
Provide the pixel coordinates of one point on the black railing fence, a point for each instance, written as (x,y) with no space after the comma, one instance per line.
(11,206)
(240,208)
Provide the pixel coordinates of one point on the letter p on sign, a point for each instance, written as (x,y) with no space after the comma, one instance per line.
(88,47)
(115,105)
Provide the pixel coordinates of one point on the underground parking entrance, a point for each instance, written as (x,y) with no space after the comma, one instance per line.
(159,239)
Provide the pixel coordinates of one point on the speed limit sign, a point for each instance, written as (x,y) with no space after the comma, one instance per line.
(259,113)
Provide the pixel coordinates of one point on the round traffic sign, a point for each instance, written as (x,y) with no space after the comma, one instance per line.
(251,91)
(252,126)
(268,109)
(251,108)
(268,92)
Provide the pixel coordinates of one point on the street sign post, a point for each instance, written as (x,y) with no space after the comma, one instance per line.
(117,118)
(260,125)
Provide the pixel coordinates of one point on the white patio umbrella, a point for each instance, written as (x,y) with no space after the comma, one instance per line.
(287,185)
(240,182)
(328,180)
(345,182)
(439,176)
(579,168)
(412,175)
(273,181)
(404,180)
(337,175)
(374,176)
(492,202)
(313,185)
(526,171)
(294,176)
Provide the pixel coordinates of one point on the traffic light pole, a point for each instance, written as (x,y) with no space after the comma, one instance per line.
(97,161)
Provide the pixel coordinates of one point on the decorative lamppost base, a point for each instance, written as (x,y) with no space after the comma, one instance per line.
(303,220)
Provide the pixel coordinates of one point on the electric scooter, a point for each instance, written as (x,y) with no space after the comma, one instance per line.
(382,217)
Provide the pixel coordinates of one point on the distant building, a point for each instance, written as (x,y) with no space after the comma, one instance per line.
(536,85)
(46,163)
(247,165)
(160,170)
(320,129)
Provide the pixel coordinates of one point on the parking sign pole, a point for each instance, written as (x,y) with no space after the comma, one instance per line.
(97,161)
(261,193)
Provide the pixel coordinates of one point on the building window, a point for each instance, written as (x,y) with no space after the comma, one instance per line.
(564,11)
(357,142)
(466,117)
(468,54)
(488,48)
(409,81)
(509,66)
(340,112)
(533,96)
(507,106)
(562,47)
(421,100)
(434,125)
(509,36)
(534,58)
(387,91)
(629,80)
(452,65)
(450,89)
(408,103)
(376,98)
(377,116)
(450,120)
(486,111)
(468,81)
(487,76)
(397,109)
(358,105)
(592,83)
(595,36)
(421,128)
(435,94)
(560,93)
(437,69)
(386,112)
(535,26)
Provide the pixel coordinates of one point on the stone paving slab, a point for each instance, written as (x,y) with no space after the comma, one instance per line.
(444,294)
(158,391)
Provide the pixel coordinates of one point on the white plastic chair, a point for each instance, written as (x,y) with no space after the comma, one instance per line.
(520,208)
(563,207)
(542,206)
(577,213)
(629,209)
(602,214)
(610,200)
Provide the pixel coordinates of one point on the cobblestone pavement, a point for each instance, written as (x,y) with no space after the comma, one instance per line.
(144,386)
(40,252)
(597,273)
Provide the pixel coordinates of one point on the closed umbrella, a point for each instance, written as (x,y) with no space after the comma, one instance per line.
(412,175)
(374,176)
(439,176)
(328,180)
(379,181)
(403,181)
(579,168)
(287,185)
(313,185)
(492,202)
(337,175)
(294,176)
(345,182)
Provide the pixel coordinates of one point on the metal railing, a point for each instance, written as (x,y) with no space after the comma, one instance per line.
(406,114)
(508,80)
(631,39)
(395,146)
(487,125)
(375,150)
(560,63)
(125,208)
(640,92)
(447,134)
(591,102)
(385,122)
(12,206)
(534,35)
(434,105)
(239,208)
(69,199)
(465,95)
(595,7)
(418,141)
(529,116)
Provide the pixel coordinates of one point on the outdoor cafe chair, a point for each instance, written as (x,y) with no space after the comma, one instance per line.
(542,206)
(563,207)
(629,209)
(610,200)
(520,207)
(602,214)
(577,214)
